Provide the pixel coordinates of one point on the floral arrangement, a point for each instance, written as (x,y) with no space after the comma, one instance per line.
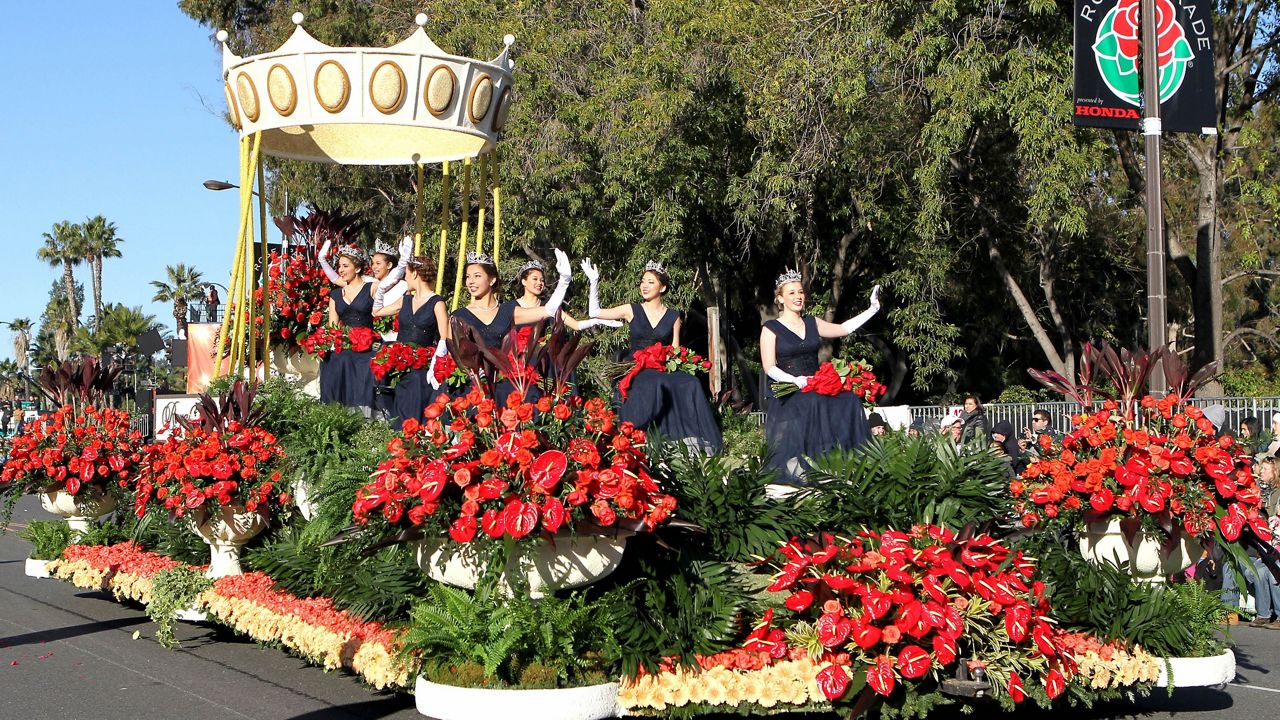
(448,373)
(1159,460)
(729,680)
(196,468)
(840,376)
(513,470)
(909,607)
(663,358)
(125,569)
(394,360)
(72,450)
(328,340)
(387,325)
(299,295)
(1108,666)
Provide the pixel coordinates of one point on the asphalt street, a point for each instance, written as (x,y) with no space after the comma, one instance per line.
(70,653)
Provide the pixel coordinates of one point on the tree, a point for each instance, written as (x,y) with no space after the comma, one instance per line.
(53,340)
(120,329)
(10,379)
(183,285)
(64,247)
(99,241)
(21,328)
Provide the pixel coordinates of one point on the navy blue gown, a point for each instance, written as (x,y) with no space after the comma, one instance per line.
(672,404)
(805,425)
(345,377)
(493,334)
(413,393)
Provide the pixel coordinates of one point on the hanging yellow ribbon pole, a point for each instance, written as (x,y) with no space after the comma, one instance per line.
(420,210)
(444,225)
(235,273)
(462,237)
(481,192)
(266,270)
(244,304)
(497,206)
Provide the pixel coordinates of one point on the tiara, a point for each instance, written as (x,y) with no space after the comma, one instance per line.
(353,252)
(478,258)
(531,265)
(655,266)
(380,247)
(788,276)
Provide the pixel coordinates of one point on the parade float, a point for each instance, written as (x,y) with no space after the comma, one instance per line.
(533,555)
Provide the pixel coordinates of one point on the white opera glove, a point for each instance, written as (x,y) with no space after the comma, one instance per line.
(593,278)
(778,374)
(391,294)
(441,349)
(564,271)
(329,272)
(861,318)
(406,252)
(597,322)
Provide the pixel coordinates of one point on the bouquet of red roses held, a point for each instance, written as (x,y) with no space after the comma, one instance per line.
(447,372)
(663,358)
(840,376)
(394,360)
(328,340)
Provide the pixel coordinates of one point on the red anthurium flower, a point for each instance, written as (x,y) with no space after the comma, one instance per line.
(1015,688)
(800,600)
(944,650)
(520,518)
(491,523)
(1054,683)
(552,515)
(865,635)
(548,469)
(913,662)
(833,680)
(880,675)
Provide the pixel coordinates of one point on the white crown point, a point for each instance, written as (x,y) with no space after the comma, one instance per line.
(421,19)
(298,18)
(509,39)
(222,36)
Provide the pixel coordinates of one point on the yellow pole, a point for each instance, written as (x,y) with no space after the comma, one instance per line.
(444,225)
(497,206)
(266,271)
(462,237)
(244,308)
(420,210)
(235,272)
(481,187)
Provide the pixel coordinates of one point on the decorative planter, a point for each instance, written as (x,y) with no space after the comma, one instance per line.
(37,568)
(568,562)
(1198,672)
(1104,542)
(80,509)
(446,702)
(192,615)
(225,532)
(298,367)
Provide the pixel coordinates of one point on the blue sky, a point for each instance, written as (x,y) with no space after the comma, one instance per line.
(114,112)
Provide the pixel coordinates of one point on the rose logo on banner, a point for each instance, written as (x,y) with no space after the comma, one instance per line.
(1116,50)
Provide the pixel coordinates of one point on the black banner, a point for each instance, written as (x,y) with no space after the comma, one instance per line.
(1108,67)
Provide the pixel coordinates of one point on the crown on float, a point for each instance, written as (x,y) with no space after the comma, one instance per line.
(479,258)
(385,248)
(530,265)
(354,253)
(788,276)
(408,103)
(655,266)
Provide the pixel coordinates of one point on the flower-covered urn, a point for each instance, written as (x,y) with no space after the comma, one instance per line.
(544,566)
(225,531)
(79,509)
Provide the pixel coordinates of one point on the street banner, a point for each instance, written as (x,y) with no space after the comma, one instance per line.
(1107,65)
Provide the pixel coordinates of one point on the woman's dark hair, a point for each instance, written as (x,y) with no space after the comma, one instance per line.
(977,403)
(1253,425)
(662,276)
(423,266)
(391,258)
(520,277)
(489,270)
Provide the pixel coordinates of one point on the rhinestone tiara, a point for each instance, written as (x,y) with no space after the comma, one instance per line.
(788,276)
(479,258)
(386,248)
(531,265)
(354,253)
(655,266)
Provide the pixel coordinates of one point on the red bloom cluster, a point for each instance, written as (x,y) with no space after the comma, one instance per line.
(72,448)
(513,470)
(194,468)
(260,589)
(447,371)
(328,340)
(1163,460)
(841,376)
(126,557)
(395,360)
(299,294)
(663,358)
(905,605)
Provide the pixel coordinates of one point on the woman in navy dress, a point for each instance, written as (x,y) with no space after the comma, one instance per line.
(804,425)
(492,320)
(345,377)
(672,404)
(423,323)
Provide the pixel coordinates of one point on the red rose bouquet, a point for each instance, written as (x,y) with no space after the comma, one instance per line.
(514,470)
(73,451)
(387,325)
(839,376)
(196,468)
(1162,463)
(448,373)
(908,606)
(327,340)
(663,358)
(299,295)
(394,360)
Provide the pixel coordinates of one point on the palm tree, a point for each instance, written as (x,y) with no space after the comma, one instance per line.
(64,247)
(99,240)
(9,379)
(21,328)
(183,286)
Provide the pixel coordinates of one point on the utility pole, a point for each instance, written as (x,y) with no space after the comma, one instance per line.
(1157,323)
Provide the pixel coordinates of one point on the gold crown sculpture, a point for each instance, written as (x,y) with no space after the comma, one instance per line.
(409,103)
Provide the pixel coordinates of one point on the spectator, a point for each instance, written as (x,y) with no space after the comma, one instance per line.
(1248,434)
(917,428)
(976,425)
(6,414)
(877,425)
(1274,445)
(211,302)
(998,449)
(951,426)
(1002,435)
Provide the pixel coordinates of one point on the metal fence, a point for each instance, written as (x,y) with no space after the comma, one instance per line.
(1019,414)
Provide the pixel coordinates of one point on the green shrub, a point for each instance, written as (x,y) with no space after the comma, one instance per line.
(173,590)
(48,538)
